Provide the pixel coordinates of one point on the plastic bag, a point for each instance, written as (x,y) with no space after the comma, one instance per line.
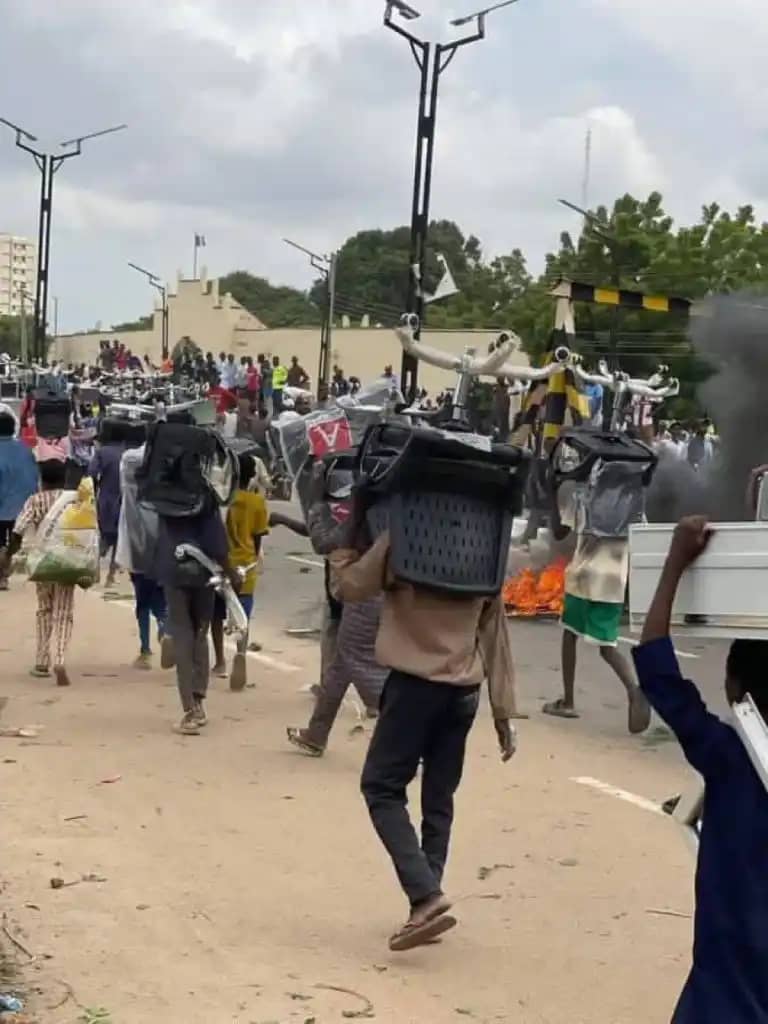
(66,548)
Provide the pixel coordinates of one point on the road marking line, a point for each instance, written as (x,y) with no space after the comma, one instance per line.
(265,659)
(634,642)
(306,561)
(619,794)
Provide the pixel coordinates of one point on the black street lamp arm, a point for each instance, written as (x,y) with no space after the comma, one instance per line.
(450,48)
(78,142)
(480,15)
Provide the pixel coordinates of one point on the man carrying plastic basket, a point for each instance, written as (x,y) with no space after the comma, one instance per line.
(55,601)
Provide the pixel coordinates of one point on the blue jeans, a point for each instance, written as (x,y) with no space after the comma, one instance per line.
(150,600)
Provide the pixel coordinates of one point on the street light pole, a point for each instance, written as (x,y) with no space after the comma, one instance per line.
(326,266)
(23,338)
(48,164)
(158,285)
(432,59)
(613,245)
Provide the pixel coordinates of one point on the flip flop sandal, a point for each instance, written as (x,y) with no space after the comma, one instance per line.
(40,673)
(295,737)
(411,936)
(559,709)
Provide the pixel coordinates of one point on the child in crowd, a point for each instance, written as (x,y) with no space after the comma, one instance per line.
(55,601)
(729,978)
(247,523)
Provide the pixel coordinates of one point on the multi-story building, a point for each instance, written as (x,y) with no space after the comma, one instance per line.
(18,272)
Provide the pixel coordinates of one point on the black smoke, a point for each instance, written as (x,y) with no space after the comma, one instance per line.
(731,334)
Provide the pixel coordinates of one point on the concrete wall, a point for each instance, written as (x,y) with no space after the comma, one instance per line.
(219,324)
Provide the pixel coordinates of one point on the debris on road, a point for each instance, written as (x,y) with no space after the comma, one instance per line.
(663,912)
(364,1013)
(486,872)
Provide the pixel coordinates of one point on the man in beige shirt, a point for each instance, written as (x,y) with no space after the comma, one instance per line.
(439,648)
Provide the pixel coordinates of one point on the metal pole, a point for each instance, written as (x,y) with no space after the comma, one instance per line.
(41,327)
(325,356)
(55,316)
(425,128)
(194,261)
(432,60)
(23,326)
(164,341)
(47,164)
(43,161)
(327,266)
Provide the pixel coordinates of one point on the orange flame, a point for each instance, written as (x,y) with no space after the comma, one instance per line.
(530,593)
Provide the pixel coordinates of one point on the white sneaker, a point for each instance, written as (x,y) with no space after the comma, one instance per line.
(189,725)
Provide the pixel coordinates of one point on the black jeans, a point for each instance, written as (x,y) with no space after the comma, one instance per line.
(426,722)
(190,610)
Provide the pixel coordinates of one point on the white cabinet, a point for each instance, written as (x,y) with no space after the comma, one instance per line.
(726,589)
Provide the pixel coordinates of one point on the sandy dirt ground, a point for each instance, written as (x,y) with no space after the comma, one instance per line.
(240,882)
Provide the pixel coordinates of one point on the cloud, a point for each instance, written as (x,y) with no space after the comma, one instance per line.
(253,120)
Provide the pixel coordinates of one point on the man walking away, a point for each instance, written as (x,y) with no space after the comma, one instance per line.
(105,472)
(137,541)
(595,585)
(18,480)
(438,649)
(55,601)
(190,605)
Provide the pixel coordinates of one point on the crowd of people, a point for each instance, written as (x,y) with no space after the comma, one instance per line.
(418,658)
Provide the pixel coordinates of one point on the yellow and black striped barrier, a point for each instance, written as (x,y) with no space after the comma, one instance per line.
(578,292)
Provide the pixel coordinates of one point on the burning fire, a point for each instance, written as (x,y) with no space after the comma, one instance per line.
(531,593)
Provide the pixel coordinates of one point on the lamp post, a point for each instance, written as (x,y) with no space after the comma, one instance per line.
(326,265)
(23,338)
(157,284)
(432,59)
(614,246)
(48,164)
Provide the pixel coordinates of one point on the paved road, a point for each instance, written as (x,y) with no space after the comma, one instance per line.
(243,883)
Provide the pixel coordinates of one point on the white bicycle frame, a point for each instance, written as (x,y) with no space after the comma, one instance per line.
(657,387)
(237,621)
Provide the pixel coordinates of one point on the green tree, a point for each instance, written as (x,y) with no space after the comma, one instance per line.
(274,305)
(142,324)
(10,335)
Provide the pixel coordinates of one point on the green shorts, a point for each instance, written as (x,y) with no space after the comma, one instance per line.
(596,621)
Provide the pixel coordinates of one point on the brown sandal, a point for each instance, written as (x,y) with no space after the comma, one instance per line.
(424,926)
(425,934)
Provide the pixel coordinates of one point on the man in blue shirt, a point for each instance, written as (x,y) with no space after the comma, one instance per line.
(728,983)
(18,480)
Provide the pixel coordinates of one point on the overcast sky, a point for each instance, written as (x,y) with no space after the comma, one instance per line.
(254,119)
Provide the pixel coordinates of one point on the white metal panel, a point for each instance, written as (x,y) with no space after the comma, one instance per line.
(726,589)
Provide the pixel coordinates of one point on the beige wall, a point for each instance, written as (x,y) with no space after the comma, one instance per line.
(220,324)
